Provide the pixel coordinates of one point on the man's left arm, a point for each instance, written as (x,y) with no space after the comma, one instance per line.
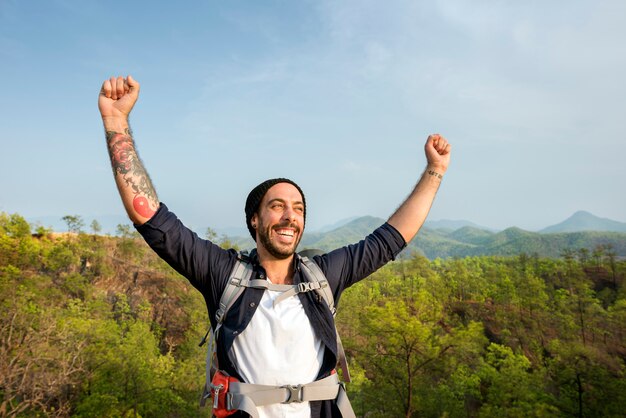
(347,265)
(410,216)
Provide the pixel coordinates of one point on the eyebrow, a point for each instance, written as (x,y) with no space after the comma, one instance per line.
(278,199)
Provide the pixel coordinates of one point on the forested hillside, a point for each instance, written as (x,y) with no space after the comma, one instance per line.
(97,326)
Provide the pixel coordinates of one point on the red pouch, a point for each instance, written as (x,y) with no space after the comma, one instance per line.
(219,389)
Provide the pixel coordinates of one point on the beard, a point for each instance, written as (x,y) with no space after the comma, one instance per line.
(278,251)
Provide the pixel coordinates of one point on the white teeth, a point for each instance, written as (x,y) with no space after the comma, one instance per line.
(286,233)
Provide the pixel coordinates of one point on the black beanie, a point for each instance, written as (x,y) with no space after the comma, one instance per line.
(256,195)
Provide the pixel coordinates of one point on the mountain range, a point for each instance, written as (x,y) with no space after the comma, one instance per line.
(463,238)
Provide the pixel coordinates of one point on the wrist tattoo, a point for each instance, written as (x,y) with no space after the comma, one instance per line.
(435,174)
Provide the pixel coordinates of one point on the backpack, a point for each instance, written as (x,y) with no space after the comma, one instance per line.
(238,281)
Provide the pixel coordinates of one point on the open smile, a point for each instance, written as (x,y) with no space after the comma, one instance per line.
(286,232)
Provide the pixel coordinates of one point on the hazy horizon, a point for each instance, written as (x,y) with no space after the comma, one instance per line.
(110,222)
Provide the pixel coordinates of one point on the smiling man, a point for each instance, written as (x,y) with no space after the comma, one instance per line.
(278,337)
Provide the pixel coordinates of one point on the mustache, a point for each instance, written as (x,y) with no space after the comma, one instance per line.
(287,225)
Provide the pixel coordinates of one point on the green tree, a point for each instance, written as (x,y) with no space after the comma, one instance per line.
(210,234)
(74,223)
(511,388)
(223,241)
(129,245)
(402,343)
(96,228)
(14,226)
(588,382)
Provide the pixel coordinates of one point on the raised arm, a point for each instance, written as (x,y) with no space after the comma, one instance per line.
(116,100)
(410,216)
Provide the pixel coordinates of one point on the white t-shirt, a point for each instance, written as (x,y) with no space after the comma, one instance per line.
(279,347)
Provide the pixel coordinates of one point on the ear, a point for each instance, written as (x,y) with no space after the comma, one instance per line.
(253,220)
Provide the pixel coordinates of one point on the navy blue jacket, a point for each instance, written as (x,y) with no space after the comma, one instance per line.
(207,266)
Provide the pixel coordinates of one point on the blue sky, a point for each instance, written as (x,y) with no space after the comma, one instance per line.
(337,95)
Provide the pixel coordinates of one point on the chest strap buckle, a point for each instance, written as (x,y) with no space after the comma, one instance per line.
(295,393)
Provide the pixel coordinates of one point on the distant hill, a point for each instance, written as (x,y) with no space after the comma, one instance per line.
(453,225)
(471,235)
(336,225)
(585,221)
(351,232)
(512,241)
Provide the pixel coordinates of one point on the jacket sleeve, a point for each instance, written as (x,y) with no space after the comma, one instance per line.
(346,266)
(203,263)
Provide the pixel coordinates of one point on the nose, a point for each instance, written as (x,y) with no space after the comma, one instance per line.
(289,214)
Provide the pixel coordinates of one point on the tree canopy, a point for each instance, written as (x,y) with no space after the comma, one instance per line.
(94,326)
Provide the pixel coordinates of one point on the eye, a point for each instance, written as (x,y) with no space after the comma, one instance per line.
(299,209)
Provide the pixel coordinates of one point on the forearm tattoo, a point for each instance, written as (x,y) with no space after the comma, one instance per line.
(126,164)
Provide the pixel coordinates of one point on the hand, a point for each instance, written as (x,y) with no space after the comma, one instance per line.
(437,151)
(117,97)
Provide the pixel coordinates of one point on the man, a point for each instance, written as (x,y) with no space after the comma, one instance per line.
(261,342)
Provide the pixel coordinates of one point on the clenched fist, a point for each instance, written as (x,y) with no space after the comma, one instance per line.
(117,97)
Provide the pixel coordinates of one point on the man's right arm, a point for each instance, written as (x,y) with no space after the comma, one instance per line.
(116,100)
(205,264)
